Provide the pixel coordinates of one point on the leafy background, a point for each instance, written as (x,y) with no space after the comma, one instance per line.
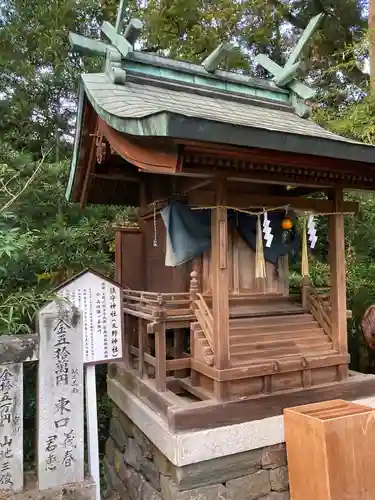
(44,239)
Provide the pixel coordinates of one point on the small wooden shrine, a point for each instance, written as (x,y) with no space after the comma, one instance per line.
(223,167)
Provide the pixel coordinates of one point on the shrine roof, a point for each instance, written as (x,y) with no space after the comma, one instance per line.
(150,107)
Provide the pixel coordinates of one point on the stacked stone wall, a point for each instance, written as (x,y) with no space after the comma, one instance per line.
(137,470)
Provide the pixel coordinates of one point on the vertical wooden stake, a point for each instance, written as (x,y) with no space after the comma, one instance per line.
(179,349)
(92,426)
(220,278)
(142,347)
(161,358)
(338,277)
(236,262)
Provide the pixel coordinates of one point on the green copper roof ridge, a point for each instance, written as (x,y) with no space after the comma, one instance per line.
(199,70)
(208,91)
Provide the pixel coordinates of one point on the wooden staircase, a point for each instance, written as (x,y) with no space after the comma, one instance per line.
(256,340)
(262,329)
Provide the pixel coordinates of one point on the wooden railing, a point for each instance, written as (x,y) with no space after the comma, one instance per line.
(205,319)
(149,305)
(319,306)
(202,312)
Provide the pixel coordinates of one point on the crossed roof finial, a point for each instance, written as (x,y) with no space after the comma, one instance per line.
(122,44)
(119,47)
(287,76)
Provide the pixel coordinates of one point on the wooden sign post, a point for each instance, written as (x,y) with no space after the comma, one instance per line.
(61,422)
(100,301)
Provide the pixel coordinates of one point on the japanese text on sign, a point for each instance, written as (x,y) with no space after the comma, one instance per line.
(11,432)
(100,302)
(60,444)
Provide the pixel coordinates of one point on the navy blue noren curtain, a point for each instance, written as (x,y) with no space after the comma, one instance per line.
(189,233)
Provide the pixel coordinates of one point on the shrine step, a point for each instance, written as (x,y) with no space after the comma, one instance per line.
(202,350)
(244,338)
(295,358)
(281,329)
(280,356)
(271,346)
(272,321)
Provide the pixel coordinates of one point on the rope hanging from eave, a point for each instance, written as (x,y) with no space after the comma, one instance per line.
(305,255)
(260,263)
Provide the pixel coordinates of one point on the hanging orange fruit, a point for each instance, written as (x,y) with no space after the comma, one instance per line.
(287,223)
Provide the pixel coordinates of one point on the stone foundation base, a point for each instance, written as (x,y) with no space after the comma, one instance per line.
(138,470)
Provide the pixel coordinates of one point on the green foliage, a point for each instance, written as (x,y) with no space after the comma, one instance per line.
(38,73)
(43,238)
(355,120)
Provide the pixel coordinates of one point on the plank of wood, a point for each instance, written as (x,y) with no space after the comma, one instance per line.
(221,390)
(161,358)
(198,392)
(282,329)
(272,320)
(338,276)
(180,364)
(142,348)
(236,340)
(271,345)
(268,367)
(208,414)
(138,314)
(220,278)
(178,350)
(154,399)
(278,352)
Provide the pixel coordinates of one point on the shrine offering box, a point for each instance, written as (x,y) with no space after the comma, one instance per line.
(331,451)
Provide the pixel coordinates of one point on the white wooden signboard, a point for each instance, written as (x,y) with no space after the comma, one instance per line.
(60,417)
(11,429)
(99,299)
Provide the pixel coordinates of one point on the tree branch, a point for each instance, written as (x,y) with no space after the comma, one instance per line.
(287,15)
(27,184)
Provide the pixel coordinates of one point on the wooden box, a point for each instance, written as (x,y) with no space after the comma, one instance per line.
(331,451)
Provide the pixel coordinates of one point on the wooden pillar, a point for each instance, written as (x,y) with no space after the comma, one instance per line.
(338,277)
(126,341)
(220,285)
(142,348)
(161,358)
(178,350)
(143,229)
